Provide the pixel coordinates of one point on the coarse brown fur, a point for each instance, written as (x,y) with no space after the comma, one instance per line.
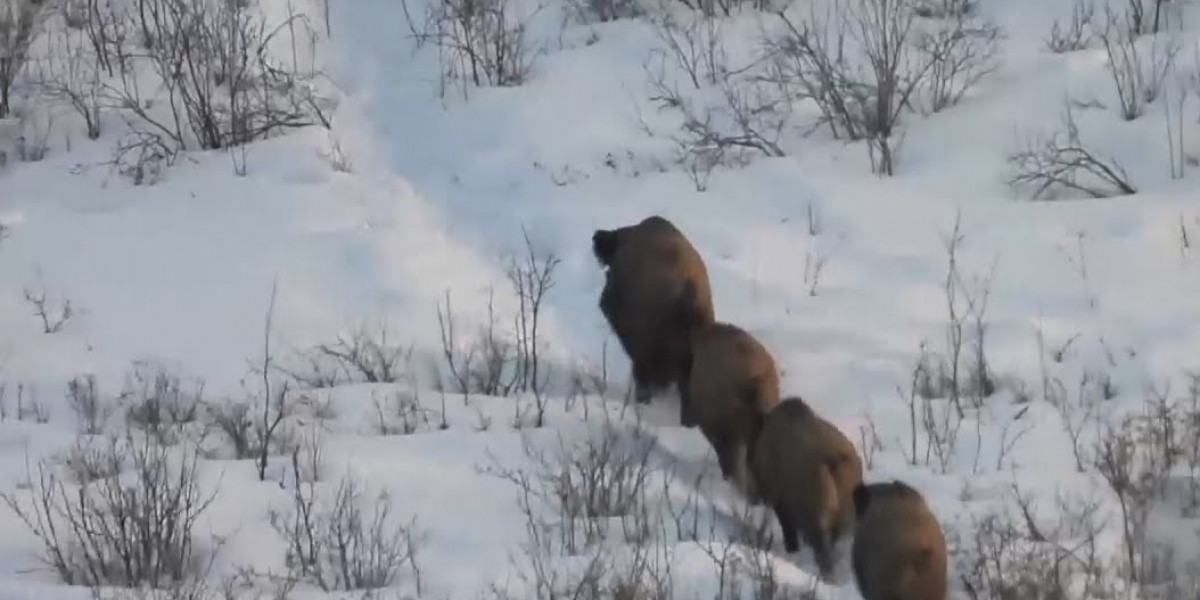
(899,550)
(806,470)
(733,382)
(656,290)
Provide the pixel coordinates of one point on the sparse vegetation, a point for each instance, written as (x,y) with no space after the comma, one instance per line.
(1061,162)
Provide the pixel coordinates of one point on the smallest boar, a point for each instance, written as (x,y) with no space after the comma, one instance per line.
(899,550)
(806,470)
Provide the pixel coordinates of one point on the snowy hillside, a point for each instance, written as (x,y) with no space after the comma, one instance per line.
(303,291)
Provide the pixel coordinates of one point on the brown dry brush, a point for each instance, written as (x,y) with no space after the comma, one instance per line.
(570,494)
(112,530)
(1009,553)
(223,87)
(340,544)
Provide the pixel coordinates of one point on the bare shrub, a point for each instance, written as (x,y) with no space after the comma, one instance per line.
(944,9)
(242,425)
(961,373)
(962,49)
(531,274)
(340,544)
(71,75)
(272,404)
(1129,459)
(116,530)
(491,362)
(1077,33)
(87,460)
(1190,443)
(159,402)
(595,489)
(1137,81)
(53,313)
(1062,163)
(142,156)
(812,60)
(488,363)
(216,68)
(1009,554)
(604,11)
(1145,16)
(727,115)
(400,413)
(91,411)
(19,20)
(364,355)
(479,42)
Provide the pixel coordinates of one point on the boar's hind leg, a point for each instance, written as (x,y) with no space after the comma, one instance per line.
(787,524)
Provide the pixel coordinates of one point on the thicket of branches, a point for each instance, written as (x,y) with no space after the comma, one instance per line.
(863,63)
(182,74)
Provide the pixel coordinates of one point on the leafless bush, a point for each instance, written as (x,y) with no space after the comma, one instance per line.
(595,489)
(1014,556)
(70,74)
(243,427)
(30,406)
(159,402)
(19,20)
(365,355)
(961,49)
(1145,16)
(531,273)
(91,411)
(728,115)
(480,42)
(604,11)
(142,156)
(87,460)
(961,372)
(496,364)
(272,405)
(1126,461)
(944,9)
(813,60)
(1076,34)
(215,65)
(1190,443)
(400,413)
(53,314)
(120,531)
(1061,162)
(341,545)
(1174,108)
(488,363)
(1137,81)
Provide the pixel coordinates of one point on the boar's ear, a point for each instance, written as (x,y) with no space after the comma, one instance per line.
(604,245)
(862,498)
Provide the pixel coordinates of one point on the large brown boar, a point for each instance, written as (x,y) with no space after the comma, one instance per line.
(653,273)
(732,383)
(899,550)
(806,470)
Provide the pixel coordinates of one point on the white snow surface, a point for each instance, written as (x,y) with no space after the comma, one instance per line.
(182,272)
